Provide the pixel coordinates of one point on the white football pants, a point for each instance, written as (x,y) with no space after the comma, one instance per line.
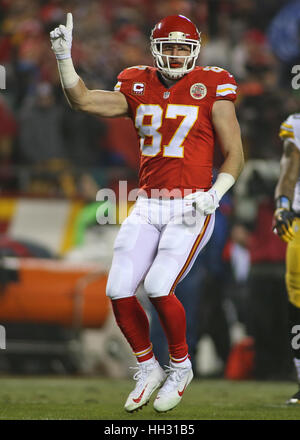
(158,244)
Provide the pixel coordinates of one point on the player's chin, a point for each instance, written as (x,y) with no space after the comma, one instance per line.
(174,77)
(176,72)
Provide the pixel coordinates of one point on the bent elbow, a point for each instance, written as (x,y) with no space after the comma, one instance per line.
(75,106)
(78,105)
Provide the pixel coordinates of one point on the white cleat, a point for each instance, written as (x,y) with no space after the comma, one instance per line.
(149,378)
(294,399)
(172,391)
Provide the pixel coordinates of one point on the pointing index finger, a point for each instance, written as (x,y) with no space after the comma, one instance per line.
(69,23)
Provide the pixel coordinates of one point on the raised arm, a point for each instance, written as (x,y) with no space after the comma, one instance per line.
(100,102)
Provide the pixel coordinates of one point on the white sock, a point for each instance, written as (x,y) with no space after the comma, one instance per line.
(149,361)
(185,364)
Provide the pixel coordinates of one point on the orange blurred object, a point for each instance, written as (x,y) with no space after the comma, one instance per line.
(59,292)
(240,363)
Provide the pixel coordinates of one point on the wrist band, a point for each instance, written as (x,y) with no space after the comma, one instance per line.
(223,183)
(283,202)
(63,56)
(68,76)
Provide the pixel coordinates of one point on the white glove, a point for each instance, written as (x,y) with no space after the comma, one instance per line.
(61,39)
(205,202)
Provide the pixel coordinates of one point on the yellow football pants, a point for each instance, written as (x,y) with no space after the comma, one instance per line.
(292,276)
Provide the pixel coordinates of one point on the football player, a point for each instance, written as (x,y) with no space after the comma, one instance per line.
(177,109)
(287,226)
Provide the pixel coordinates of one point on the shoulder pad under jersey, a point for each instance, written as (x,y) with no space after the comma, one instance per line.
(290,129)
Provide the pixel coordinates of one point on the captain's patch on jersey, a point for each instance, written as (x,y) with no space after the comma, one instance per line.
(138,88)
(198,91)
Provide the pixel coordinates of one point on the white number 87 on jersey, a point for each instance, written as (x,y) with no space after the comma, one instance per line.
(175,147)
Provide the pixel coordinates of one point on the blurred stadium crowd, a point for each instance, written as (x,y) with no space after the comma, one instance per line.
(47,149)
(109,36)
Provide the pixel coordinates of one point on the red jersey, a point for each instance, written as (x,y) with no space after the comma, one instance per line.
(174,125)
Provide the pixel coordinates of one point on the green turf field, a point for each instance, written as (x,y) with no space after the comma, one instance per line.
(103,399)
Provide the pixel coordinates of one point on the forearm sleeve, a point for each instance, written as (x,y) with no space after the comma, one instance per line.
(68,76)
(223,183)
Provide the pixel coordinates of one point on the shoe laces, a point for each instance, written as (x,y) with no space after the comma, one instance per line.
(175,375)
(141,374)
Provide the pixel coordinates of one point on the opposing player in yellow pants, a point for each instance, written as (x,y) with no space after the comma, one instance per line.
(287,226)
(293,266)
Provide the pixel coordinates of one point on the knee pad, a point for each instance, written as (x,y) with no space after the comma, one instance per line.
(121,282)
(160,277)
(120,279)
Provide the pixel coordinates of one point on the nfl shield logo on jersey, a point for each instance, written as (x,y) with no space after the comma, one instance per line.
(166,95)
(198,91)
